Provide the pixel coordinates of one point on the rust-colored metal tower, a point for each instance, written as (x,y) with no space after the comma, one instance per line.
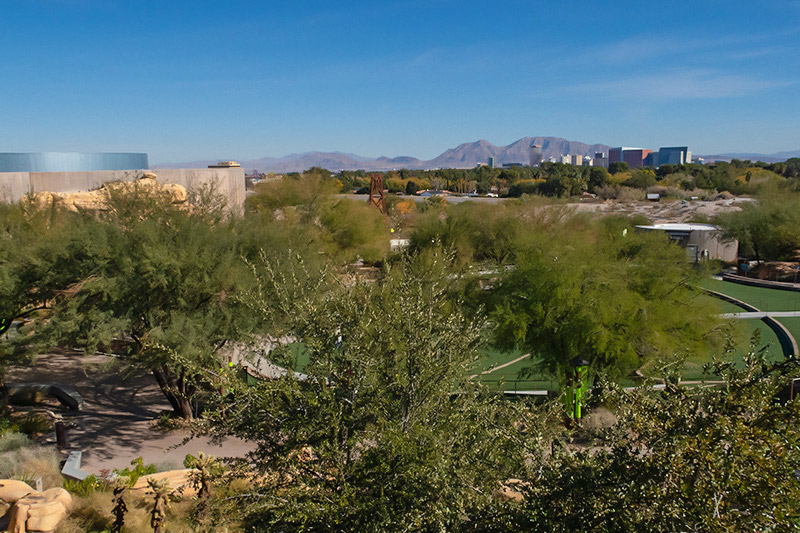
(376,195)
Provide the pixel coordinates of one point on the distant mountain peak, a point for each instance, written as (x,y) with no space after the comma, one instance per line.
(465,155)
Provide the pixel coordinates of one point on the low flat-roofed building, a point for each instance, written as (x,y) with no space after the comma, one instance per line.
(702,241)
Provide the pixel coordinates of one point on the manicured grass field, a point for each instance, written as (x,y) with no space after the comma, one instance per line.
(693,369)
(508,378)
(722,305)
(792,324)
(762,298)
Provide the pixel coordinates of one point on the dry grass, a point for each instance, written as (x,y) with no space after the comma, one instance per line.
(27,463)
(92,514)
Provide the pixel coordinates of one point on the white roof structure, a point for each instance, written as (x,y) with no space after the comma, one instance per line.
(682,227)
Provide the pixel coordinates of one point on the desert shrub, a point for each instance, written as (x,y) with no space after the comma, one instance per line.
(30,462)
(355,229)
(85,487)
(669,192)
(12,440)
(92,514)
(34,423)
(607,192)
(628,194)
(139,469)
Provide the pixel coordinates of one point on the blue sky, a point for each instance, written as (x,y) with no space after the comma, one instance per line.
(185,81)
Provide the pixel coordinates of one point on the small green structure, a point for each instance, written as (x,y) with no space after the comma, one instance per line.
(577,386)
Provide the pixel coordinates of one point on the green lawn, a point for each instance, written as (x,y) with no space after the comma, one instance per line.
(792,324)
(693,369)
(508,378)
(762,298)
(722,305)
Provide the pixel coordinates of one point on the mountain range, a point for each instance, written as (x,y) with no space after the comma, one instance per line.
(465,155)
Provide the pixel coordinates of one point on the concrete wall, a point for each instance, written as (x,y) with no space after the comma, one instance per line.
(13,186)
(228,182)
(713,243)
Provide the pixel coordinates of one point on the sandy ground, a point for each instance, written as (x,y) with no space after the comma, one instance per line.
(114,426)
(664,211)
(658,212)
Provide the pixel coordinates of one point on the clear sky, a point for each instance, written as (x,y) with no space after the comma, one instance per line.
(185,81)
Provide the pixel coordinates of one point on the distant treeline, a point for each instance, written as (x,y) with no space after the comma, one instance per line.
(561,180)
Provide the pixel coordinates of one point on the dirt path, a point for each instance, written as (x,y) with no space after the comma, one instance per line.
(114,426)
(498,367)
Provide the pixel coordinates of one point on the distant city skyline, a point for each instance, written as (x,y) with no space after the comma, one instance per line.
(193,81)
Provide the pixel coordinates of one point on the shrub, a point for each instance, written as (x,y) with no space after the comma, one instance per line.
(85,487)
(11,440)
(139,470)
(30,462)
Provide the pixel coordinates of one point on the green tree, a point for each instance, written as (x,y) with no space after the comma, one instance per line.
(384,432)
(792,168)
(153,284)
(618,166)
(605,293)
(769,228)
(642,178)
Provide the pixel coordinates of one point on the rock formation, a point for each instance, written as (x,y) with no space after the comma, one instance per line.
(96,200)
(33,511)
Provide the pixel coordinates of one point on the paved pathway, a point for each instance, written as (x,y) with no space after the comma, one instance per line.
(498,367)
(114,426)
(761,314)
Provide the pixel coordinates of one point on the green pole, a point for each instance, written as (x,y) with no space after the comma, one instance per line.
(577,387)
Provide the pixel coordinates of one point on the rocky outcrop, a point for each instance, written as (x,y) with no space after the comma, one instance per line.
(97,200)
(33,511)
(180,480)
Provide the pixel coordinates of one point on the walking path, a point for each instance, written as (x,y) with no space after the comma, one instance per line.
(498,367)
(761,314)
(788,342)
(114,426)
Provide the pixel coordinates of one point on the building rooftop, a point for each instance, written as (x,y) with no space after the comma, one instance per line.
(682,227)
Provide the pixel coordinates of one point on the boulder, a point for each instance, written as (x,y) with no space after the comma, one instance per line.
(12,490)
(510,491)
(176,479)
(40,512)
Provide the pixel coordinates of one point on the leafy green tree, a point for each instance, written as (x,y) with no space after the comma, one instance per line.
(598,177)
(792,168)
(604,293)
(642,178)
(153,284)
(37,263)
(618,166)
(385,432)
(769,228)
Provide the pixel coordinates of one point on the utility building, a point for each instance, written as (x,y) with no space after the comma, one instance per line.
(702,241)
